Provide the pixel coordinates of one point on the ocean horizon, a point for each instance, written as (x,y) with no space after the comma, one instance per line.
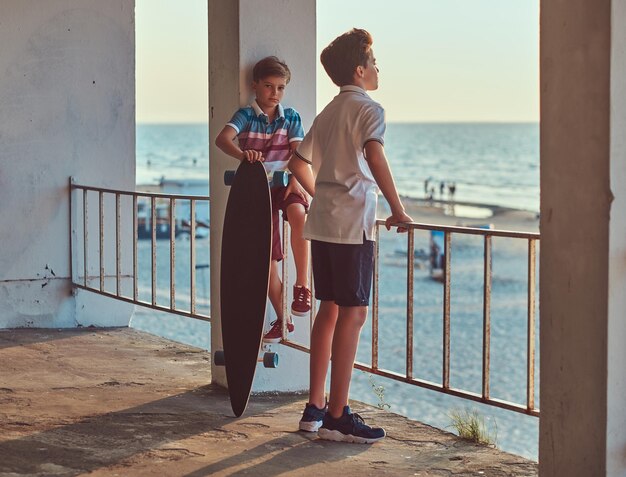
(488,162)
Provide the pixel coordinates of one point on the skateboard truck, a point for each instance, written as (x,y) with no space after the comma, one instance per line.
(269,358)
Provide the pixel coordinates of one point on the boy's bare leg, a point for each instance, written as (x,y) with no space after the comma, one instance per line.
(275,290)
(321,341)
(345,342)
(299,246)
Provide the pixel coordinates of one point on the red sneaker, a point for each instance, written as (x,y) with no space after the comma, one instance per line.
(275,334)
(301,304)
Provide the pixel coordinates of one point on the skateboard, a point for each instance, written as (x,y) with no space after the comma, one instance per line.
(244,277)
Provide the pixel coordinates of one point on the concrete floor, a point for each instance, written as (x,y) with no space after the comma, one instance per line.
(119,402)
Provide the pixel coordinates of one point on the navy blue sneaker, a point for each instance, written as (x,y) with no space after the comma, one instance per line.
(349,428)
(312,418)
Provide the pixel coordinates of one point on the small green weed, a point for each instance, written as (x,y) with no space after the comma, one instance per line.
(470,425)
(379,390)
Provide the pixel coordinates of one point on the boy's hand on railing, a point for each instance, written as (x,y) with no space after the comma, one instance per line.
(251,155)
(397,219)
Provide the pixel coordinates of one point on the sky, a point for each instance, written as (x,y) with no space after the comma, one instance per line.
(439,60)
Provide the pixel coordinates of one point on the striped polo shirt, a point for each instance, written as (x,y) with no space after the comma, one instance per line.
(254,131)
(343,209)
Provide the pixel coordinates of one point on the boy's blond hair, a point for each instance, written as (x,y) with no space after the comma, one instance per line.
(341,58)
(271,66)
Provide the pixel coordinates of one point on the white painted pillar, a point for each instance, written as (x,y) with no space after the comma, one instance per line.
(583,238)
(616,389)
(67,108)
(241,32)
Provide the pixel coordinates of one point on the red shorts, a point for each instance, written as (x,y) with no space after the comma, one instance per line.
(281,203)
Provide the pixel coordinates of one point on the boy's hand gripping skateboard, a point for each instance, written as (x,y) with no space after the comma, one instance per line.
(244,278)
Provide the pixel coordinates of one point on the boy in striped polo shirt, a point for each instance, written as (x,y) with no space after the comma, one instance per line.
(267,132)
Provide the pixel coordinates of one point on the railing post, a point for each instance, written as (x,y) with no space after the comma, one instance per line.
(101,232)
(135,239)
(285,271)
(153,219)
(530,374)
(313,300)
(85,238)
(375,299)
(71,221)
(487,316)
(118,259)
(192,256)
(409,304)
(446,309)
(172,220)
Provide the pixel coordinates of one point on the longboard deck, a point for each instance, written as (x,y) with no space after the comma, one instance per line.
(244,278)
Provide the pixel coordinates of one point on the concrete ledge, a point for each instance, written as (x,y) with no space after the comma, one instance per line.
(122,402)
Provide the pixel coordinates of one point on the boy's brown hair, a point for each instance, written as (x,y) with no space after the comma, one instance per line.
(341,58)
(270,66)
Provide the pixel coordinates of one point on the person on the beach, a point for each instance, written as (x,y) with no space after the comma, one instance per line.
(452,189)
(268,132)
(342,164)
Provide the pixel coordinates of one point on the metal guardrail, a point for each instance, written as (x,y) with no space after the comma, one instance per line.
(408,376)
(151,222)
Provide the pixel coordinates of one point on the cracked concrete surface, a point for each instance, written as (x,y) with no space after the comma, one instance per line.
(119,402)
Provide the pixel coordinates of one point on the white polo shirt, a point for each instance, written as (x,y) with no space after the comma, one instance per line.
(346,194)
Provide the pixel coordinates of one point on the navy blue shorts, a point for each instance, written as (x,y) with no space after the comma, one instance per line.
(343,272)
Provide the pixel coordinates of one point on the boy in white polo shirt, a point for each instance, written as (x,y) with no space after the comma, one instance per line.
(342,164)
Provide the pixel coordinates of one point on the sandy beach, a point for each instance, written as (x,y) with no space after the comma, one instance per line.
(442,212)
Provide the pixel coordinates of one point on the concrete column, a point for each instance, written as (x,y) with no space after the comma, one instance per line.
(67,108)
(583,239)
(616,372)
(241,32)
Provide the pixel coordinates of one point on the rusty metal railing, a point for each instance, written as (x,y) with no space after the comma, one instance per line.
(444,386)
(153,225)
(81,196)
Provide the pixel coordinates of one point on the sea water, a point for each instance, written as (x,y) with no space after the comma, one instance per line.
(496,164)
(489,163)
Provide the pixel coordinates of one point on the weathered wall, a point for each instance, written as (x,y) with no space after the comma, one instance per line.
(67,105)
(241,32)
(616,410)
(583,239)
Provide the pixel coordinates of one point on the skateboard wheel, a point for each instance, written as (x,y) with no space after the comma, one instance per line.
(270,360)
(229,177)
(218,358)
(280,179)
